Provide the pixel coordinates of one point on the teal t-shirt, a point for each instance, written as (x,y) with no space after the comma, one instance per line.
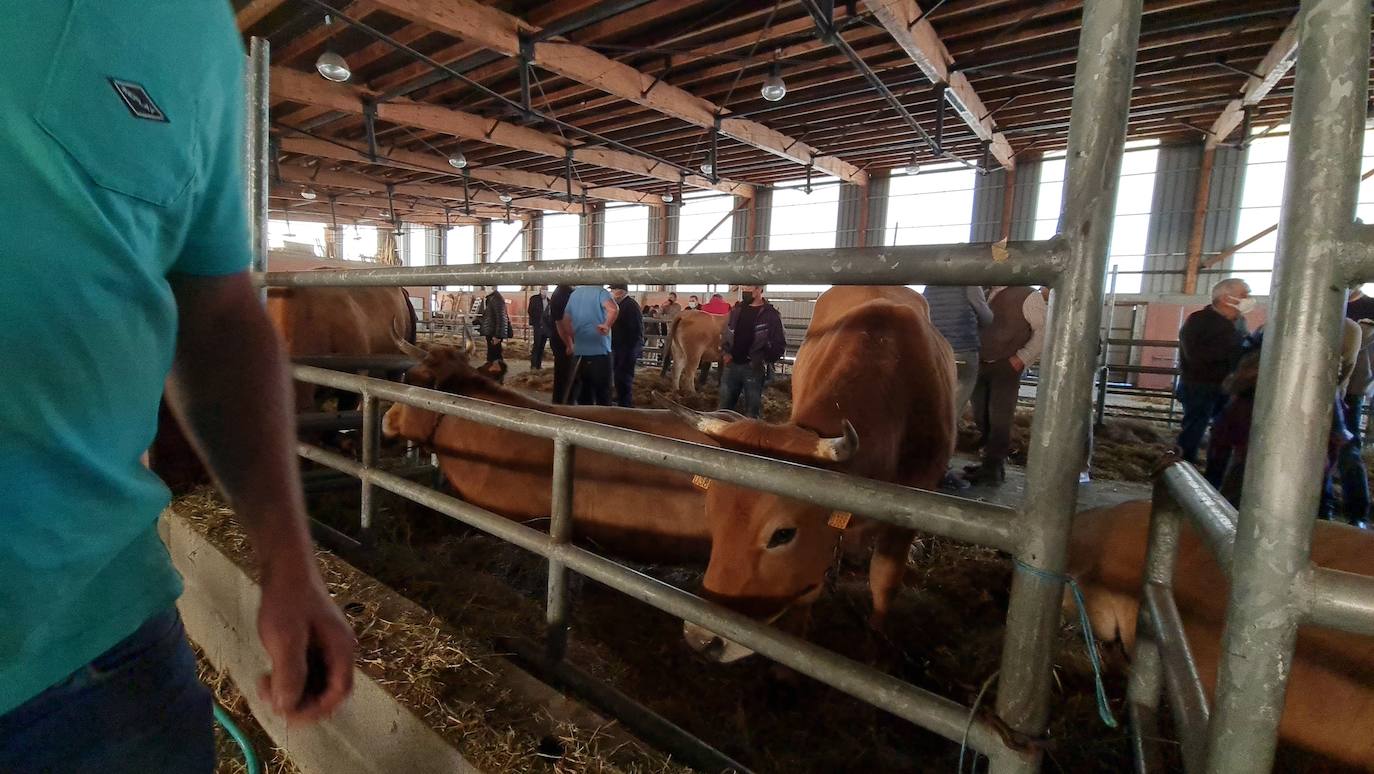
(586,308)
(119,165)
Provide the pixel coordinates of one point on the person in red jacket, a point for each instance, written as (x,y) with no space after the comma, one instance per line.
(716,306)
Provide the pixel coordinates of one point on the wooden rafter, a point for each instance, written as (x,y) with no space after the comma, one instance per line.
(255,12)
(302,87)
(1275,64)
(907,24)
(422,162)
(501,32)
(338,179)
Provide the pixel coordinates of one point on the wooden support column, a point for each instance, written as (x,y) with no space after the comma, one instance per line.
(861,238)
(1008,202)
(1204,190)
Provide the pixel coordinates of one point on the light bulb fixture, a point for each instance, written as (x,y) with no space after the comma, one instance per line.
(458,160)
(667,198)
(913,168)
(308,194)
(774,89)
(330,65)
(708,169)
(506,198)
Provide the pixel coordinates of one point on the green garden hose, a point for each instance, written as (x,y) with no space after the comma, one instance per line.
(250,758)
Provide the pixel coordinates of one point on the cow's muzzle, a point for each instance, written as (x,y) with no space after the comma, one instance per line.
(720,650)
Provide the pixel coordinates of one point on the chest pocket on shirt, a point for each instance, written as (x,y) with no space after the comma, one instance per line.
(116,102)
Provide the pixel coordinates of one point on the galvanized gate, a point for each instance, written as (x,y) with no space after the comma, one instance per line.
(1321,249)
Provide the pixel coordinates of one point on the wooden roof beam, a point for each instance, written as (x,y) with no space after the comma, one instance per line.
(907,24)
(255,12)
(1271,69)
(337,179)
(297,86)
(501,32)
(422,162)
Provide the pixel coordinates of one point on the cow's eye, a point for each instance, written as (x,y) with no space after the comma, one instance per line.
(782,537)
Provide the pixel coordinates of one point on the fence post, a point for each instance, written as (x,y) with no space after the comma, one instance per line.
(560,530)
(1296,384)
(372,427)
(1097,134)
(1145,686)
(256,151)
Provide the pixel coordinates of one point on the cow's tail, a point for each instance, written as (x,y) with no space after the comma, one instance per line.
(668,348)
(413,331)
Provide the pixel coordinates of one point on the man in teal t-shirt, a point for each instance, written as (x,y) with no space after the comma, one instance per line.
(125,262)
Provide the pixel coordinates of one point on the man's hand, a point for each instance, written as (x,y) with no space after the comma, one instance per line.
(1017,364)
(726,358)
(296,617)
(603,329)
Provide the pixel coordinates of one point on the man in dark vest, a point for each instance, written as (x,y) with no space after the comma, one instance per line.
(1209,347)
(561,342)
(1010,345)
(627,344)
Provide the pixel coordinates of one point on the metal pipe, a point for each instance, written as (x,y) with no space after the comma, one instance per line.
(1339,600)
(935,713)
(1187,701)
(560,532)
(958,264)
(1104,350)
(1297,384)
(1145,682)
(371,443)
(256,154)
(1206,509)
(1357,259)
(1097,135)
(329,421)
(952,517)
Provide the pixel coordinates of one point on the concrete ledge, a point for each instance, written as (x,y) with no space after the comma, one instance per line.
(372,732)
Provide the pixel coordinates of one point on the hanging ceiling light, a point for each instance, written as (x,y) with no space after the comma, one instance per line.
(330,65)
(913,167)
(707,168)
(458,160)
(773,87)
(308,194)
(667,198)
(506,198)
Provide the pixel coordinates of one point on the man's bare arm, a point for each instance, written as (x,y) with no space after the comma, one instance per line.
(229,387)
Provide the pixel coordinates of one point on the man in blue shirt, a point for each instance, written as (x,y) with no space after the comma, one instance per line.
(123,194)
(588,319)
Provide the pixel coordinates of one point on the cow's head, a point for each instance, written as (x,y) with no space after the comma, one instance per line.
(439,367)
(769,553)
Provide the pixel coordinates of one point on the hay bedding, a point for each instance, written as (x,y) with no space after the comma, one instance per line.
(440,671)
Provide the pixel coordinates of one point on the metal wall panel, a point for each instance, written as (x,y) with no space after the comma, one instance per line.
(879,188)
(850,215)
(1223,210)
(762,207)
(1177,175)
(1024,200)
(988,191)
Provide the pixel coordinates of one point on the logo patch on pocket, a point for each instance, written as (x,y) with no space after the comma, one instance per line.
(138,101)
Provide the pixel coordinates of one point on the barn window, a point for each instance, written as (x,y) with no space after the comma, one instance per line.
(507,246)
(360,243)
(932,208)
(627,231)
(460,249)
(1049,199)
(561,237)
(802,221)
(280,232)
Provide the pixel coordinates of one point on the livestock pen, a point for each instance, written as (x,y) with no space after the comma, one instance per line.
(1264,547)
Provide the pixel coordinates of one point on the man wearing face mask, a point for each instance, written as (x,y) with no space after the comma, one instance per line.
(1209,348)
(752,341)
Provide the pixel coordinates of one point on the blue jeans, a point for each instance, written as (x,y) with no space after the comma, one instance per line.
(1201,403)
(137,708)
(744,379)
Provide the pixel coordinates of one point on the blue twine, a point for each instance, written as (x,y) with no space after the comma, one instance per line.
(1104,710)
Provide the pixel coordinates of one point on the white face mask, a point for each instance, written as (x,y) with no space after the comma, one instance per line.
(1244,305)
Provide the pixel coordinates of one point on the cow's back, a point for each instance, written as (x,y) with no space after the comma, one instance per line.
(1331,693)
(871,356)
(339,321)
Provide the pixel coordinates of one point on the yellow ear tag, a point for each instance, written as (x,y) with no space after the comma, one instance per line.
(840,519)
(701,482)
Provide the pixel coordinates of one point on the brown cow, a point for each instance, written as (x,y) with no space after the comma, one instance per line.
(872,368)
(695,340)
(1330,704)
(338,321)
(633,510)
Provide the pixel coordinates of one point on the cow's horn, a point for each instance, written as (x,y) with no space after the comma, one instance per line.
(707,423)
(405,346)
(839,449)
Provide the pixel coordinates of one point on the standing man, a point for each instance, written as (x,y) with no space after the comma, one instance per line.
(1010,345)
(495,326)
(751,343)
(670,309)
(591,313)
(958,312)
(559,330)
(693,302)
(136,160)
(1209,348)
(627,344)
(535,313)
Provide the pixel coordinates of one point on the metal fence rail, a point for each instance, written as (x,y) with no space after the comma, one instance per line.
(972,522)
